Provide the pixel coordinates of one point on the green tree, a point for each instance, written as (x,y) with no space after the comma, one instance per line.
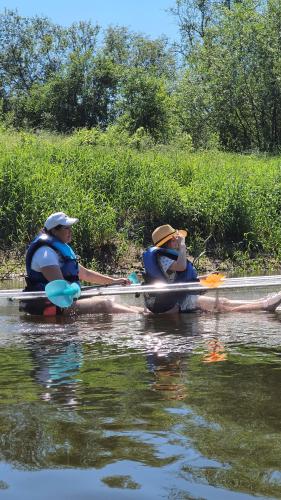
(79,96)
(62,78)
(32,50)
(131,50)
(234,79)
(145,104)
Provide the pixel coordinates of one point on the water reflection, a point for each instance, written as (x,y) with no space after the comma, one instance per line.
(168,371)
(133,400)
(56,368)
(216,352)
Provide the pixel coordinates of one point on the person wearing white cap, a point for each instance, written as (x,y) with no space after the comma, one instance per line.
(50,257)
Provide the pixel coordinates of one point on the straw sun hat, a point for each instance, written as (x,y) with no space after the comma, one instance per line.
(162,234)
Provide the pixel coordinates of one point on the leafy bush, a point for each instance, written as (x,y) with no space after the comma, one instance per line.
(121,194)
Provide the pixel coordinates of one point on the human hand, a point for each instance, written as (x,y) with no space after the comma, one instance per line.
(180,239)
(120,281)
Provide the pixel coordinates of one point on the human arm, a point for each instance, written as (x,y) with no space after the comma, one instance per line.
(100,279)
(46,261)
(52,273)
(180,263)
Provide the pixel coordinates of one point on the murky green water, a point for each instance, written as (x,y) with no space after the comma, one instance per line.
(140,407)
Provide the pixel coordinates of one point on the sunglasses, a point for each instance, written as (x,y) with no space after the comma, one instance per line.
(62,227)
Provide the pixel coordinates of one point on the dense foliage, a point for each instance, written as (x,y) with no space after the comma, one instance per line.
(121,193)
(223,89)
(143,124)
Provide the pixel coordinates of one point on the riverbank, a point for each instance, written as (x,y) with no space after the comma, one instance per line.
(229,203)
(13,267)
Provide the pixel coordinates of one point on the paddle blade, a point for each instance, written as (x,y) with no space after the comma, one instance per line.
(61,293)
(213,280)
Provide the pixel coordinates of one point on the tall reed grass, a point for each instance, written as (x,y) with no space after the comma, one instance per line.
(121,194)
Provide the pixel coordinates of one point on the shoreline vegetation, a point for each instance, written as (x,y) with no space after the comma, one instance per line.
(128,133)
(122,187)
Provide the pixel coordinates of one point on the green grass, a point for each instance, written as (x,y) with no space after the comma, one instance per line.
(121,194)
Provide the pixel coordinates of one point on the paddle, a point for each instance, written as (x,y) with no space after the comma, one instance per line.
(134,279)
(96,290)
(61,293)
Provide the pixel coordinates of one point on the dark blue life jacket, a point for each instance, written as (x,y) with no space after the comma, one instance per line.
(69,267)
(153,271)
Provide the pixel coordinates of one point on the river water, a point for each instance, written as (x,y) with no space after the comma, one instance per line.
(184,407)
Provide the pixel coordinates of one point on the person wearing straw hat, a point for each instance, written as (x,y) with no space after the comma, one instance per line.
(167,261)
(50,257)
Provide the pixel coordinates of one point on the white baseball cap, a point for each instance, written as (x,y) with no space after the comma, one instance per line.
(59,218)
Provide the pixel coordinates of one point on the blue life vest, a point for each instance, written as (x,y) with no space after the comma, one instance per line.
(70,271)
(153,271)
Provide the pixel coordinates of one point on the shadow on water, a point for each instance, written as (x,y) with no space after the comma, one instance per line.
(130,406)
